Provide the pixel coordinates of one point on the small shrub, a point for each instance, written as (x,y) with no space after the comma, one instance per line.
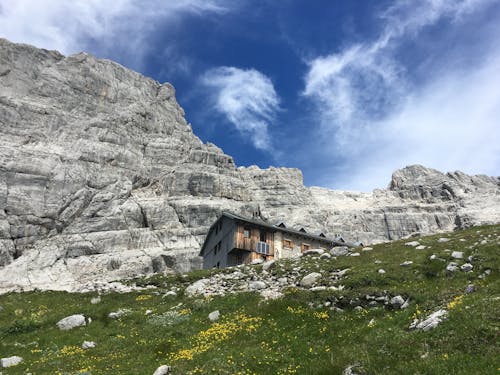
(21,326)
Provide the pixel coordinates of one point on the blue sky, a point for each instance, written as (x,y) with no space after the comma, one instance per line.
(346,91)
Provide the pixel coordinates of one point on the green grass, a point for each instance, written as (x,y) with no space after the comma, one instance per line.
(297,334)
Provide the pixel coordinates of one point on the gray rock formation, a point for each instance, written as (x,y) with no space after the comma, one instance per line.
(101,178)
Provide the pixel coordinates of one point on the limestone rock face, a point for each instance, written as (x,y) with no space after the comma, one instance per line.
(101,178)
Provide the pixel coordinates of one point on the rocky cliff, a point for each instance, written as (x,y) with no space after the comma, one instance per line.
(102,178)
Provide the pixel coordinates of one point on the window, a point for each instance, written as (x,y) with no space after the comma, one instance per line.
(288,244)
(262,248)
(306,247)
(246,232)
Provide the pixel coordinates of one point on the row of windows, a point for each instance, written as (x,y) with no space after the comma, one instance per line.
(248,231)
(289,245)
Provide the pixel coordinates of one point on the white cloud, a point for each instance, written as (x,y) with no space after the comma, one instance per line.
(246,98)
(378,120)
(76,25)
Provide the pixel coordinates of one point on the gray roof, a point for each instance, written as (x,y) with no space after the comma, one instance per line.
(276,228)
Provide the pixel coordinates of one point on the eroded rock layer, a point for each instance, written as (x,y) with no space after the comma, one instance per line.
(101,178)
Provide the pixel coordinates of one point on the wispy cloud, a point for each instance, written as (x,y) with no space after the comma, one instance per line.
(369,107)
(73,26)
(246,98)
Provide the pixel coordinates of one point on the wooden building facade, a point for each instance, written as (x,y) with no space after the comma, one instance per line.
(233,240)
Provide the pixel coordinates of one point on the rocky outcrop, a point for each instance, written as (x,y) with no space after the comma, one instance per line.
(101,178)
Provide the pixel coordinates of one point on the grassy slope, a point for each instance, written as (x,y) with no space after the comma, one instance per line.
(277,337)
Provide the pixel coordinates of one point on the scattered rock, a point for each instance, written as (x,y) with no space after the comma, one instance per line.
(170,293)
(406,263)
(318,288)
(314,252)
(412,243)
(257,261)
(257,285)
(148,312)
(406,304)
(95,300)
(353,370)
(10,361)
(339,251)
(420,247)
(282,281)
(71,322)
(466,267)
(214,315)
(430,322)
(88,345)
(381,271)
(163,370)
(367,248)
(310,279)
(117,314)
(340,273)
(269,265)
(457,255)
(271,294)
(443,239)
(452,267)
(397,302)
(325,256)
(197,287)
(354,254)
(378,262)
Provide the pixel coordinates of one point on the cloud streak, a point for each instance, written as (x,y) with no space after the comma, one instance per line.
(246,98)
(369,107)
(73,26)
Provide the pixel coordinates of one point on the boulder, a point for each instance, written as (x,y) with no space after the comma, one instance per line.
(196,288)
(88,345)
(310,279)
(406,263)
(466,267)
(316,252)
(214,315)
(163,370)
(339,251)
(457,255)
(117,314)
(452,267)
(70,322)
(256,285)
(269,265)
(397,301)
(431,322)
(412,243)
(10,361)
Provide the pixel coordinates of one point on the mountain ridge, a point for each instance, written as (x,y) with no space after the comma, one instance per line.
(102,178)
